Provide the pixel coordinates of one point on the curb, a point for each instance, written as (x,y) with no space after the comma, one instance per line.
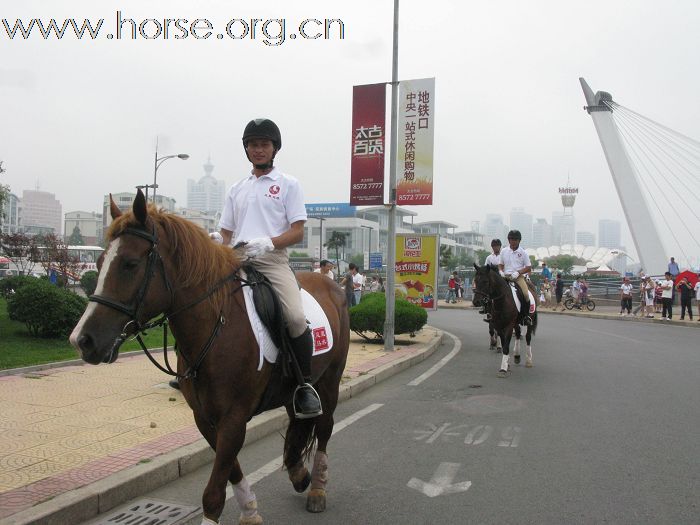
(87,502)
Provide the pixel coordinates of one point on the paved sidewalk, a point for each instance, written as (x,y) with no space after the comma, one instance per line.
(80,439)
(600,312)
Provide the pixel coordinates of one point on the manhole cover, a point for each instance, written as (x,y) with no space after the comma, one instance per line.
(149,512)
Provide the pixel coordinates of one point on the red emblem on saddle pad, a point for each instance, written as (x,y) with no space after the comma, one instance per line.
(274,189)
(320,339)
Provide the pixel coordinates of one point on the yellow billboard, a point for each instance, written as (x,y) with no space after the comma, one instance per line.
(416,270)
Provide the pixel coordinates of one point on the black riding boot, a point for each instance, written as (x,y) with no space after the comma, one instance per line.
(525,313)
(306,402)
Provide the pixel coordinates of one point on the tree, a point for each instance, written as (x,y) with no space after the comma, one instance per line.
(55,256)
(336,241)
(533,261)
(481,255)
(21,249)
(4,192)
(564,263)
(465,260)
(447,260)
(76,238)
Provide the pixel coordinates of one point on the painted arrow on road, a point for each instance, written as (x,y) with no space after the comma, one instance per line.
(441,482)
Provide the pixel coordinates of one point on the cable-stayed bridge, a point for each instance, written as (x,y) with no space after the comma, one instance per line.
(656,171)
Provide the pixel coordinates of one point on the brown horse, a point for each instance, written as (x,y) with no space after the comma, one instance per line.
(157,263)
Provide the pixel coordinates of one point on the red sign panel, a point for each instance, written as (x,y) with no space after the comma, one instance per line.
(368,141)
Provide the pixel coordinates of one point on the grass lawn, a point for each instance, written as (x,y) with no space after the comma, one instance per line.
(18,348)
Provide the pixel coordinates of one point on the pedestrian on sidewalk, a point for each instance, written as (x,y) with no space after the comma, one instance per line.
(649,296)
(348,286)
(558,291)
(451,289)
(686,291)
(626,296)
(667,297)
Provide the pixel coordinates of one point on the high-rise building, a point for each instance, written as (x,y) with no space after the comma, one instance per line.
(541,234)
(585,238)
(521,221)
(207,195)
(563,228)
(609,234)
(10,214)
(41,212)
(494,229)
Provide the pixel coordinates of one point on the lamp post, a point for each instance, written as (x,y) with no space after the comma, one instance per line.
(369,245)
(320,240)
(157,164)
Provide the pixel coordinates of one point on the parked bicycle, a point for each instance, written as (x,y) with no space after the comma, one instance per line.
(570,303)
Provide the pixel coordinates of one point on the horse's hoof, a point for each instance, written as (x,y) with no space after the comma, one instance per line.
(492,348)
(502,373)
(316,500)
(528,363)
(303,484)
(516,359)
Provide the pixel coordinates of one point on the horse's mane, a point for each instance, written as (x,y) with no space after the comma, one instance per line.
(197,260)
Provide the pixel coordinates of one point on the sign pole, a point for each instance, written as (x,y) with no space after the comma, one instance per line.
(391,244)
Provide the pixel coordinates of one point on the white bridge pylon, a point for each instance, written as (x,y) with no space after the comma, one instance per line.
(645,234)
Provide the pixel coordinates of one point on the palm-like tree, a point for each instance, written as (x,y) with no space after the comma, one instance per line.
(336,241)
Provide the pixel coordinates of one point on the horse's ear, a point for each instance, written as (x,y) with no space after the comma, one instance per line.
(476,267)
(113,208)
(140,208)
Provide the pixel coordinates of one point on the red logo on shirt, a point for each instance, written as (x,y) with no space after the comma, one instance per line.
(274,189)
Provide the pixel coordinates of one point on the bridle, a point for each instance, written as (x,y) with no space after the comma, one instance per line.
(487,297)
(133,310)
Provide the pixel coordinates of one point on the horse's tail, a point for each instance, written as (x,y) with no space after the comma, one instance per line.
(300,440)
(534,322)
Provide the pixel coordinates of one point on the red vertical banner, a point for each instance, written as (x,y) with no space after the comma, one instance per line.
(368,140)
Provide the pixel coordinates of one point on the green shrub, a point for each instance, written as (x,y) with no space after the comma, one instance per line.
(9,285)
(369,316)
(45,309)
(88,282)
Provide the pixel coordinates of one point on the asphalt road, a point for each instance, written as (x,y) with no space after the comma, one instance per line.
(604,429)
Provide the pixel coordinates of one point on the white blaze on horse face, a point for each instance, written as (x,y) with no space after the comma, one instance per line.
(110,255)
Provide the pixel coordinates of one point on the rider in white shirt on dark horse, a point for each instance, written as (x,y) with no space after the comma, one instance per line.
(514,265)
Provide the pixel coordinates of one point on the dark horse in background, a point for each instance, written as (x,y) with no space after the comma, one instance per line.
(493,291)
(157,263)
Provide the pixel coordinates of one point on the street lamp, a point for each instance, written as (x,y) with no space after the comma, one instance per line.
(157,164)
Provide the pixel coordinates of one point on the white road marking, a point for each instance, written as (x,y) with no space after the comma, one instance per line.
(276,464)
(510,437)
(484,432)
(458,345)
(441,482)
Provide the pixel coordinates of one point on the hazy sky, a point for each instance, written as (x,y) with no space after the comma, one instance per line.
(80,117)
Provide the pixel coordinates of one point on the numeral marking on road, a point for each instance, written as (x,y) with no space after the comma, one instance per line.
(510,437)
(474,435)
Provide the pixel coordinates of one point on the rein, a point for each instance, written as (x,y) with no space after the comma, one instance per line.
(134,310)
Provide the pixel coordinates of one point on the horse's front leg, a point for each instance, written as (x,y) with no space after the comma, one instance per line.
(230,436)
(516,345)
(528,348)
(505,337)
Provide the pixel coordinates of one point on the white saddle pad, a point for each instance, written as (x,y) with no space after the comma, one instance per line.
(315,316)
(517,301)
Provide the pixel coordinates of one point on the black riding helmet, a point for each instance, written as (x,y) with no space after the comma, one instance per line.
(262,128)
(515,234)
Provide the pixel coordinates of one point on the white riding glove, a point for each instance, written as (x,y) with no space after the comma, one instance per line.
(502,273)
(216,237)
(514,275)
(257,247)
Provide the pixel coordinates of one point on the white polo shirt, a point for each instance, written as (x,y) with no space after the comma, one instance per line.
(493,259)
(514,261)
(263,206)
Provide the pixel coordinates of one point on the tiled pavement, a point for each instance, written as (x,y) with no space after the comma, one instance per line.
(64,428)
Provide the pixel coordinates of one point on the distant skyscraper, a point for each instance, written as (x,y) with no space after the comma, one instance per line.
(541,234)
(521,221)
(563,228)
(208,194)
(494,228)
(585,238)
(41,212)
(609,234)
